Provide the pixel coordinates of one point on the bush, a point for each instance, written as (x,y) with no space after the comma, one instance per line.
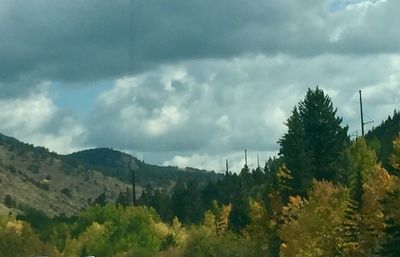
(18,239)
(67,192)
(9,202)
(203,244)
(12,169)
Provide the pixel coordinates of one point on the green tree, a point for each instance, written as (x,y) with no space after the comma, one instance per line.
(350,231)
(258,231)
(101,199)
(124,198)
(203,243)
(315,141)
(216,219)
(391,246)
(295,153)
(104,231)
(9,202)
(18,239)
(361,168)
(362,163)
(395,156)
(284,182)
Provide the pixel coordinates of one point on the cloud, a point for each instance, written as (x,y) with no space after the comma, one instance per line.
(82,42)
(230,105)
(217,162)
(191,81)
(27,114)
(36,119)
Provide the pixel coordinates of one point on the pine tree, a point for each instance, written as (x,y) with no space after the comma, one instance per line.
(324,135)
(363,160)
(391,246)
(124,198)
(395,156)
(216,220)
(350,231)
(101,199)
(284,182)
(295,153)
(84,252)
(315,140)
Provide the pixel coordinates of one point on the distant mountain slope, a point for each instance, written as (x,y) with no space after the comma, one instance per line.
(33,177)
(116,164)
(381,137)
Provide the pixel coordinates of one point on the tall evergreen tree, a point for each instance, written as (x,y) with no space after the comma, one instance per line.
(295,153)
(391,246)
(363,160)
(395,156)
(284,182)
(124,198)
(315,140)
(324,135)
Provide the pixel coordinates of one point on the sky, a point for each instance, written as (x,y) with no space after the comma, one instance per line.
(190,83)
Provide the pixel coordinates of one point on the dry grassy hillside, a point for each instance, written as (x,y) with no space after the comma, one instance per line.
(34,177)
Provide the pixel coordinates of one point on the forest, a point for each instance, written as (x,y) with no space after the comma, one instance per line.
(325,194)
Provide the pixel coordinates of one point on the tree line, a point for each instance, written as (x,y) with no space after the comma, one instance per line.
(324,195)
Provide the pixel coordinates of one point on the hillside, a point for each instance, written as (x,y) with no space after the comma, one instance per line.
(114,163)
(381,138)
(33,177)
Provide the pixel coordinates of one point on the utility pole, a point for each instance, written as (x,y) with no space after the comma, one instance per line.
(258,162)
(133,182)
(228,191)
(245,157)
(362,116)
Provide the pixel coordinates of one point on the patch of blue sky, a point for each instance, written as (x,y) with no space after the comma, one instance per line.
(338,5)
(78,99)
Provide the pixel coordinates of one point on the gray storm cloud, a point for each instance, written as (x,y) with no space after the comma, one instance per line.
(85,41)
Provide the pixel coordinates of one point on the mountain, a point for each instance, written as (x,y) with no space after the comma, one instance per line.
(35,178)
(381,138)
(117,164)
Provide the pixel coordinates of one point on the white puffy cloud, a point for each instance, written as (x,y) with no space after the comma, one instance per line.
(217,162)
(217,107)
(36,119)
(22,115)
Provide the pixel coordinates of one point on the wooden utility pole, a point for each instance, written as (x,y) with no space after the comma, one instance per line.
(362,115)
(228,190)
(245,157)
(258,162)
(133,182)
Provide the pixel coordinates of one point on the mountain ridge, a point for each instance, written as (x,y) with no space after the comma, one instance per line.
(32,177)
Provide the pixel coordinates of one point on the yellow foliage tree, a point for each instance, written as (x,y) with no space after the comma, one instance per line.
(17,239)
(378,185)
(308,228)
(258,231)
(395,156)
(216,220)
